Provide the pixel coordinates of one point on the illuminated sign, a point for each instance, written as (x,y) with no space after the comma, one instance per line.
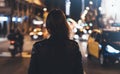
(37,22)
(3,18)
(68,3)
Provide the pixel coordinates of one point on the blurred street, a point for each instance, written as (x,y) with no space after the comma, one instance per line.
(27,47)
(16,65)
(13,65)
(20,65)
(92,66)
(83,16)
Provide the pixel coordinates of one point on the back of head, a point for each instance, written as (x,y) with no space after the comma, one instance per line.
(57,25)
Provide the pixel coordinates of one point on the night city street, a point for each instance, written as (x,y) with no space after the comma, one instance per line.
(94,24)
(20,65)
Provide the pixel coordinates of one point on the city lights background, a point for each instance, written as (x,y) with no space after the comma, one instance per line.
(111,9)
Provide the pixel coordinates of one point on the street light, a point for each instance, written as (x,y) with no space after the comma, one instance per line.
(67,8)
(91,2)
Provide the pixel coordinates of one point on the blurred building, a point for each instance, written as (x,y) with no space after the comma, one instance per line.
(18,13)
(110,10)
(92,12)
(5,11)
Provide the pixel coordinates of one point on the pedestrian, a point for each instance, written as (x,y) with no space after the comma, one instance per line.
(19,38)
(11,35)
(57,54)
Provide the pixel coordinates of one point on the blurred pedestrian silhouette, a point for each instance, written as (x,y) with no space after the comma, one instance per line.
(11,35)
(57,54)
(19,38)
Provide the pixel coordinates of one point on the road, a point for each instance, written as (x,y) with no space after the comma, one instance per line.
(92,66)
(14,66)
(19,65)
(27,47)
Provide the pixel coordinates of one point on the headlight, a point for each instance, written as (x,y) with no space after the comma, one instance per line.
(110,49)
(31,33)
(85,37)
(89,31)
(40,33)
(35,36)
(85,31)
(76,36)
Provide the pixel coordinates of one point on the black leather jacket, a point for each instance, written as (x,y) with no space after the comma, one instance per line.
(55,57)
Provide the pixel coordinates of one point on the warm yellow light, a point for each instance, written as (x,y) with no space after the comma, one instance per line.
(35,1)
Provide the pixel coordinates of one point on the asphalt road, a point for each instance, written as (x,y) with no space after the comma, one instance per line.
(14,65)
(19,65)
(92,66)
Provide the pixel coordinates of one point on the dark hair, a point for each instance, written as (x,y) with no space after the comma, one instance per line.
(57,25)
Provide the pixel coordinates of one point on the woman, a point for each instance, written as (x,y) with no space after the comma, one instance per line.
(57,54)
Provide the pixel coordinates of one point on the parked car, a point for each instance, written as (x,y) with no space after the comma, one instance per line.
(105,46)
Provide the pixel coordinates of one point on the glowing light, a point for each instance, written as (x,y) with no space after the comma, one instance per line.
(35,36)
(90,24)
(89,31)
(85,37)
(91,2)
(3,18)
(14,19)
(110,49)
(85,31)
(31,33)
(44,9)
(38,2)
(19,19)
(68,3)
(37,22)
(76,36)
(87,8)
(2,4)
(100,8)
(111,9)
(40,33)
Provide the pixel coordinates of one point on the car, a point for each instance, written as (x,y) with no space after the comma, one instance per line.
(36,34)
(105,46)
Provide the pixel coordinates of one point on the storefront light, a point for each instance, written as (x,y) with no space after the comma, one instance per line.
(14,19)
(87,8)
(19,19)
(36,22)
(3,18)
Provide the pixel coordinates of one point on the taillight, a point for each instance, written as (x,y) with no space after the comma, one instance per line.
(12,42)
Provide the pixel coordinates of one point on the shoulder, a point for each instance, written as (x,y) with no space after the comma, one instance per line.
(74,45)
(40,43)
(73,42)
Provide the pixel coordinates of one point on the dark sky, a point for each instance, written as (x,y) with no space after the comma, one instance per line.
(75,7)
